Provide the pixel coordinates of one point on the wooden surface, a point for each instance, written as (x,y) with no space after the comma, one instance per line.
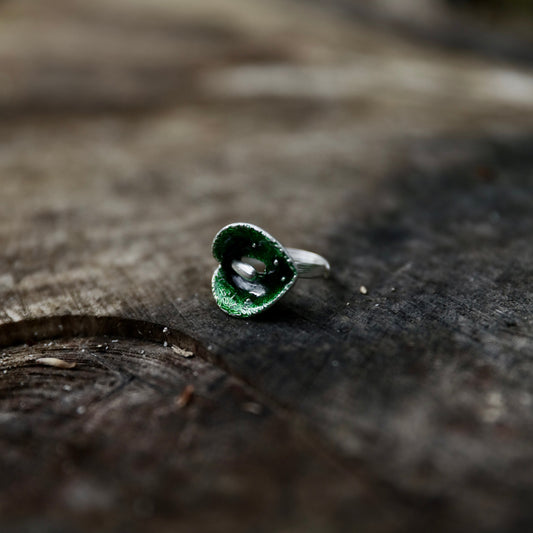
(131,132)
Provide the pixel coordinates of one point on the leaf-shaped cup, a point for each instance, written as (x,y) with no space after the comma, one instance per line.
(234,293)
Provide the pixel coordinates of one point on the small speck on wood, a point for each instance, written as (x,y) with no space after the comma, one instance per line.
(252,407)
(55,362)
(185,397)
(181,351)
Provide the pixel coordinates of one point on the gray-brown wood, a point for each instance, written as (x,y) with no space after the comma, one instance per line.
(131,132)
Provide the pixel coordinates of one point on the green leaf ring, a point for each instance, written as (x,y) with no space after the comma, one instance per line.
(255,270)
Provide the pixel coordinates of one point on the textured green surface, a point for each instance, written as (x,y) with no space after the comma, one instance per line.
(243,298)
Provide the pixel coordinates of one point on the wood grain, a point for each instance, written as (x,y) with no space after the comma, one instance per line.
(130,133)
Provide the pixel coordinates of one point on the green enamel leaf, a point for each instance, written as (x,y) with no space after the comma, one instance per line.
(242,297)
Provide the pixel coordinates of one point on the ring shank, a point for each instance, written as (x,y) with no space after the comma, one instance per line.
(309,264)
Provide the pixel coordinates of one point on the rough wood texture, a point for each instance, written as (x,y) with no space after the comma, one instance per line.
(131,132)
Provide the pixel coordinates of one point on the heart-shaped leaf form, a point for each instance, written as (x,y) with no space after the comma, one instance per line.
(236,294)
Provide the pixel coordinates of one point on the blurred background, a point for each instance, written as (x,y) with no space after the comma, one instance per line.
(217,102)
(218,110)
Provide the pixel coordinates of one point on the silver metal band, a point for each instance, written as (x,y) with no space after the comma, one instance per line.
(308,265)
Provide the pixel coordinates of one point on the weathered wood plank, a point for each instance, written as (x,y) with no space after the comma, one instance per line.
(130,133)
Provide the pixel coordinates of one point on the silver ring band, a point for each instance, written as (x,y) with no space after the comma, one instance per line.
(309,264)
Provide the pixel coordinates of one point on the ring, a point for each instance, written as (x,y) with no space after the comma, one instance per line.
(255,270)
